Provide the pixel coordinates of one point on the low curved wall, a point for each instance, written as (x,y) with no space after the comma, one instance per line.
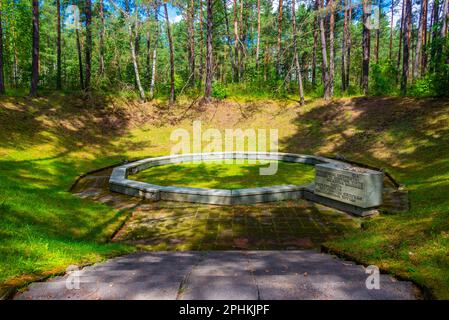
(119,181)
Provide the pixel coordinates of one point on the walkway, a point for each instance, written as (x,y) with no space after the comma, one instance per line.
(189,275)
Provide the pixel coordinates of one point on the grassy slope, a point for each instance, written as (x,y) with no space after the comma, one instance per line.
(46,143)
(222,175)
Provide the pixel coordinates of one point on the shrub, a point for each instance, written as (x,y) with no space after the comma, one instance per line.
(383,77)
(219,91)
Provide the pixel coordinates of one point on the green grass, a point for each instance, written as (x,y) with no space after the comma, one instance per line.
(222,175)
(45,143)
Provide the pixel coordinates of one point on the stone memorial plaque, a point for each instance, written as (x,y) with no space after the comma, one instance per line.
(345,183)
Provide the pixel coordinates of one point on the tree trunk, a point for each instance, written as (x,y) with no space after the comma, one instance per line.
(148,56)
(424,39)
(378,33)
(279,53)
(35,50)
(444,17)
(102,35)
(58,46)
(242,39)
(434,44)
(80,58)
(132,43)
(258,35)
(201,73)
(156,37)
(315,44)
(343,47)
(191,41)
(295,57)
(88,45)
(324,66)
(365,47)
(209,61)
(331,48)
(137,36)
(349,45)
(236,42)
(419,40)
(398,65)
(172,56)
(391,29)
(406,45)
(228,38)
(2,74)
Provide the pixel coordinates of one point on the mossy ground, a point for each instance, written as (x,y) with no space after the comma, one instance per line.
(227,174)
(46,142)
(281,226)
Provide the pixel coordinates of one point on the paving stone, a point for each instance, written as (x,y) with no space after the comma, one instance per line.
(303,274)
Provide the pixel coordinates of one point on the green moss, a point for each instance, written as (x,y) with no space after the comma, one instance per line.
(222,175)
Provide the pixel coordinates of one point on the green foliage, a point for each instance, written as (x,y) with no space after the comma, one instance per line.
(219,91)
(423,87)
(433,84)
(383,79)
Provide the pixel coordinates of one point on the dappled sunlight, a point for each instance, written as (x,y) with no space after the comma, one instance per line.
(222,175)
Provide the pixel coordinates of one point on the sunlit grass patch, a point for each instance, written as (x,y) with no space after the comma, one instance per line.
(218,174)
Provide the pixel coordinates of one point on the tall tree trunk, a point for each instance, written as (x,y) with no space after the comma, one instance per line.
(236,42)
(343,46)
(324,66)
(378,32)
(156,37)
(58,46)
(279,53)
(401,31)
(35,50)
(191,41)
(209,58)
(433,46)
(419,40)
(424,39)
(102,35)
(88,45)
(80,58)
(132,43)
(148,56)
(315,43)
(258,35)
(295,57)
(137,36)
(444,17)
(172,56)
(242,39)
(2,74)
(406,45)
(201,73)
(331,48)
(228,38)
(391,30)
(349,45)
(365,47)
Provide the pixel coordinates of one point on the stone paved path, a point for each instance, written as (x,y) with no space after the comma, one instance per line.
(265,275)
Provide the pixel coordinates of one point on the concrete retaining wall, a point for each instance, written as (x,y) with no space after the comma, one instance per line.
(120,183)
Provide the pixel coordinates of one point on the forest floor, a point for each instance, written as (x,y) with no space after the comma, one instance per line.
(45,143)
